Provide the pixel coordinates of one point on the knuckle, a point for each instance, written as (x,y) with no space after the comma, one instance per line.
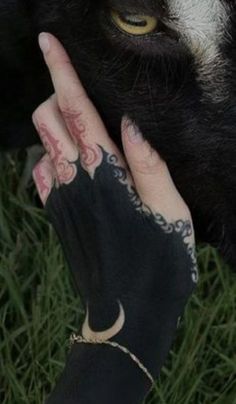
(188,214)
(187,211)
(40,111)
(43,110)
(70,99)
(66,102)
(151,163)
(184,210)
(36,170)
(59,63)
(35,116)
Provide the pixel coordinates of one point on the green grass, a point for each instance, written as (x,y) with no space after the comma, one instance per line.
(39,310)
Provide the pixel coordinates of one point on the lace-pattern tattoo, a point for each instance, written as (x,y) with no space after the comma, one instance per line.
(184,227)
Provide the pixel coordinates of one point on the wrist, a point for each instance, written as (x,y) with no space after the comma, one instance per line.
(100,374)
(78,339)
(150,332)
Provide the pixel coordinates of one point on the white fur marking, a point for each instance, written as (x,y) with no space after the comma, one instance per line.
(202,26)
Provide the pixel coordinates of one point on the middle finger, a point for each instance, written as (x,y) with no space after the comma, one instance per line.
(79,113)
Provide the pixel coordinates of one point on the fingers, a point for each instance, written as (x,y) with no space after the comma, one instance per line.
(44,177)
(81,117)
(151,175)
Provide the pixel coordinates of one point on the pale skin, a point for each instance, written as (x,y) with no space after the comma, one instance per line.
(71,128)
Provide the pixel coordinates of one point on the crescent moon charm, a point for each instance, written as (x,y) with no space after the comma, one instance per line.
(105,335)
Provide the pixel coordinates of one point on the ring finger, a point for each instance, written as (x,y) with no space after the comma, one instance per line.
(56,140)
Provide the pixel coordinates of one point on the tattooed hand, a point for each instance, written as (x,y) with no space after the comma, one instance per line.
(125,230)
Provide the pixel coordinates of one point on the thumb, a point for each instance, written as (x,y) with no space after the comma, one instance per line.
(151,175)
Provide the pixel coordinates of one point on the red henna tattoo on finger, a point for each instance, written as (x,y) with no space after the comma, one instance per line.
(43,180)
(75,125)
(90,155)
(50,143)
(66,170)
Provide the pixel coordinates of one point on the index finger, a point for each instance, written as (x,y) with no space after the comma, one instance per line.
(80,115)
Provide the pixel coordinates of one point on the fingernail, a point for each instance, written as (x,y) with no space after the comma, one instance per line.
(131,130)
(44,42)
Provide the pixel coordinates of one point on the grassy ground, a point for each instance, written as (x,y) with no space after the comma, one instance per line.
(38,311)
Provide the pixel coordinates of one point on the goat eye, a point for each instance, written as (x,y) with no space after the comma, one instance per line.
(134,24)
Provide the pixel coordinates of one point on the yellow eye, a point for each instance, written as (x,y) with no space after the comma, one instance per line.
(134,24)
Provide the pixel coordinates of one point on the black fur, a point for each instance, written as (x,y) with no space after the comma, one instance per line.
(152,80)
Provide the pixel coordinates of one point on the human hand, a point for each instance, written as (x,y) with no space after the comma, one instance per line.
(126,232)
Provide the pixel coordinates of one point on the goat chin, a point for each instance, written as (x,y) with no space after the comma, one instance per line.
(178,84)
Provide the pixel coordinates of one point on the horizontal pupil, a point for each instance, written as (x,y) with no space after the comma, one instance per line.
(132,20)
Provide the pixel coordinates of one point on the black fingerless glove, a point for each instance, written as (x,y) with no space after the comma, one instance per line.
(135,273)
